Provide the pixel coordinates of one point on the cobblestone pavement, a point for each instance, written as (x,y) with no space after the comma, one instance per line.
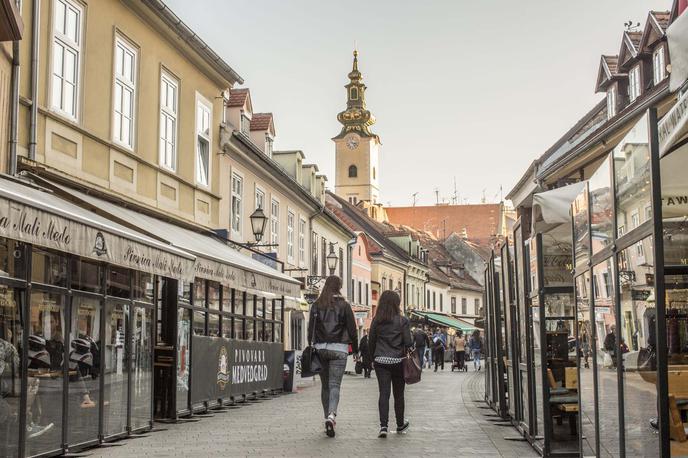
(447,419)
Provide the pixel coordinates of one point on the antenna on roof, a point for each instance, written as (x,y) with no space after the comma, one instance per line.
(455,198)
(630,27)
(437,196)
(414,198)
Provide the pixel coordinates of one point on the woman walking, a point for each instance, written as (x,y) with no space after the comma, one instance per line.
(389,339)
(332,329)
(476,347)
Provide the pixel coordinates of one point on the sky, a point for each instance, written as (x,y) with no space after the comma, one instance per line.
(464,91)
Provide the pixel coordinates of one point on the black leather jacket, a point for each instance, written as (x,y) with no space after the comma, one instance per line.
(334,324)
(390,338)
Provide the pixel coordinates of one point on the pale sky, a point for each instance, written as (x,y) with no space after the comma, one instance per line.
(473,90)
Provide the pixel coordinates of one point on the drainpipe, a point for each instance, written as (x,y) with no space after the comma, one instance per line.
(349,270)
(14,110)
(35,32)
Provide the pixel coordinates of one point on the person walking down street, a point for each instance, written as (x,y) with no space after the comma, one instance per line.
(364,355)
(476,347)
(421,341)
(390,339)
(334,329)
(459,350)
(429,350)
(438,346)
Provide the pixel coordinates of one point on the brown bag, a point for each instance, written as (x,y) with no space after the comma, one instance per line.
(411,367)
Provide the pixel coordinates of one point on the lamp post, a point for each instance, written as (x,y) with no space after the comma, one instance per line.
(258,223)
(332,259)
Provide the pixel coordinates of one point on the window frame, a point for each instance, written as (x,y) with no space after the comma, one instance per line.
(128,47)
(659,68)
(237,217)
(611,102)
(634,84)
(168,78)
(274,222)
(203,104)
(353,171)
(291,221)
(77,48)
(302,241)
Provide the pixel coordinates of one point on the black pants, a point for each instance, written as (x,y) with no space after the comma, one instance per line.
(438,358)
(390,376)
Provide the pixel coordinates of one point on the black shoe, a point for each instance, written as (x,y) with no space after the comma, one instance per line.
(329,426)
(403,428)
(383,432)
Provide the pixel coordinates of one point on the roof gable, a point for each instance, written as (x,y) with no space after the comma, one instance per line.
(263,121)
(655,29)
(607,72)
(630,41)
(240,98)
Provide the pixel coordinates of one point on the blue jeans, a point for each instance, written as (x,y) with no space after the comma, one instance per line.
(476,358)
(334,364)
(421,355)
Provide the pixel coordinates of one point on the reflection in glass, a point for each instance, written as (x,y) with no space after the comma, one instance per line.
(585,364)
(677,343)
(12,259)
(277,329)
(183,341)
(213,324)
(48,268)
(142,358)
(45,373)
(199,323)
(144,287)
(601,213)
(606,358)
(213,295)
(84,370)
(537,371)
(675,206)
(10,368)
(116,370)
(632,175)
(86,276)
(636,347)
(524,321)
(227,326)
(119,282)
(581,230)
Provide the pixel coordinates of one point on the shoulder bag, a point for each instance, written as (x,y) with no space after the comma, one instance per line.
(310,360)
(411,366)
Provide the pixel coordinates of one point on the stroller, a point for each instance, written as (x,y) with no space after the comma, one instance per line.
(459,362)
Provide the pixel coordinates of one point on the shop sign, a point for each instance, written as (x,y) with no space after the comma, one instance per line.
(223,367)
(671,127)
(245,279)
(38,227)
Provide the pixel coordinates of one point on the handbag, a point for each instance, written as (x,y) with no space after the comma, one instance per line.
(310,360)
(359,367)
(411,367)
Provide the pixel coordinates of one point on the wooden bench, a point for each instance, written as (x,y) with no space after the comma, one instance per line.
(563,402)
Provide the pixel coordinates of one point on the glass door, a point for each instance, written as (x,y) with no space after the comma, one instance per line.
(117,368)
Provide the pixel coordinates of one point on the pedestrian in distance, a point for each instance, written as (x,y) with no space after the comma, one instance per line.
(364,356)
(421,341)
(439,345)
(476,347)
(333,331)
(429,350)
(459,350)
(390,339)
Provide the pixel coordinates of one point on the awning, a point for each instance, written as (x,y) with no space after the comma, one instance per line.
(551,208)
(35,215)
(215,260)
(444,320)
(674,125)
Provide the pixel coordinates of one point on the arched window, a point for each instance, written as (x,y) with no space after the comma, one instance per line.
(353,171)
(354,93)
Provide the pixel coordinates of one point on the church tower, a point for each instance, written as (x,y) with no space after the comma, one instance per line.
(356,147)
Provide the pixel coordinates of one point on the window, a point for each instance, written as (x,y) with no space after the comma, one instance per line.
(477,306)
(434,300)
(441,302)
(274,223)
(125,94)
(464,306)
(391,284)
(290,236)
(323,254)
(354,93)
(611,102)
(635,219)
(658,65)
(268,145)
(353,171)
(360,292)
(237,193)
(260,198)
(640,250)
(203,116)
(374,174)
(634,83)
(427,301)
(245,124)
(169,96)
(341,263)
(66,57)
(453,305)
(314,254)
(302,241)
(367,294)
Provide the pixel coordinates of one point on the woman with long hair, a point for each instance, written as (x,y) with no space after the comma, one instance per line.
(389,340)
(332,328)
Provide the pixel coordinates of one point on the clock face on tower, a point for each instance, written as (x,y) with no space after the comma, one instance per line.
(352,141)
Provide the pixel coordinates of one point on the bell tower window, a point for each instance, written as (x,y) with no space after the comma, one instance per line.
(353,93)
(353,171)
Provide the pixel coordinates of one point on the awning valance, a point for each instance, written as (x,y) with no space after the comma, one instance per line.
(215,260)
(35,215)
(444,320)
(551,208)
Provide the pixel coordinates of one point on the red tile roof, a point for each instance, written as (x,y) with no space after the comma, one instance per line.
(481,222)
(662,18)
(612,63)
(635,38)
(237,97)
(261,121)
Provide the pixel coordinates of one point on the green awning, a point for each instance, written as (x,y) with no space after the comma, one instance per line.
(444,320)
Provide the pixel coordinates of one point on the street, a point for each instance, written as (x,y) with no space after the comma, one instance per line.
(445,420)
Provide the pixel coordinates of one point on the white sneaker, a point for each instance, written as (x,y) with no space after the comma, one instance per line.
(34,430)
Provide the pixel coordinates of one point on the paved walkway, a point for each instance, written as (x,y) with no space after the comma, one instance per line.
(446,417)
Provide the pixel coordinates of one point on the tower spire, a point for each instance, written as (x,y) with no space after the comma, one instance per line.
(356,118)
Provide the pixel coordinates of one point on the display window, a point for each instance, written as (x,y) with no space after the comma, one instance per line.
(601,208)
(144,287)
(183,358)
(119,282)
(117,368)
(586,364)
(142,366)
(86,275)
(11,333)
(12,259)
(49,268)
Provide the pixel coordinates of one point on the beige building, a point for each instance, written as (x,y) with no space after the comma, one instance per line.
(11,31)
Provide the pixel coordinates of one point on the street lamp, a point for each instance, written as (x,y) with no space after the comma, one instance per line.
(258,222)
(332,259)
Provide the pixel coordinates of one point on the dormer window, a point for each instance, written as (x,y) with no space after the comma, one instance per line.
(634,83)
(658,65)
(245,124)
(611,102)
(268,145)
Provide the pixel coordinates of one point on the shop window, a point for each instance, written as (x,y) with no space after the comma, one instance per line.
(84,370)
(117,368)
(199,323)
(86,276)
(213,295)
(183,358)
(675,206)
(48,268)
(12,259)
(119,282)
(632,175)
(239,309)
(11,332)
(585,335)
(45,363)
(601,200)
(144,287)
(227,326)
(213,324)
(184,293)
(141,394)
